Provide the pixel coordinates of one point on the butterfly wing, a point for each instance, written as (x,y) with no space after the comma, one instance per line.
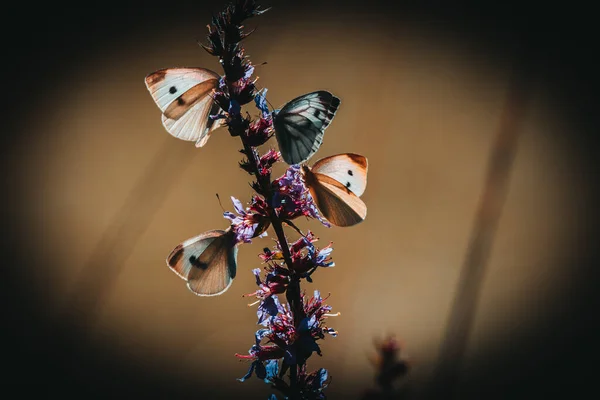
(335,201)
(301,123)
(348,169)
(184,97)
(207,262)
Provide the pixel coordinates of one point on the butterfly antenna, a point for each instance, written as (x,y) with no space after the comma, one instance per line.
(219,199)
(268,102)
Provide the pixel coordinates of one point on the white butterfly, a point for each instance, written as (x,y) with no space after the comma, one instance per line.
(184,97)
(336,183)
(207,262)
(301,123)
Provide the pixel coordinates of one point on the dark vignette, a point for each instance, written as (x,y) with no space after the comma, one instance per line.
(556,361)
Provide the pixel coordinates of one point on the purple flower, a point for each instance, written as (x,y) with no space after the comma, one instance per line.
(293,199)
(259,354)
(268,255)
(267,160)
(259,131)
(272,369)
(313,384)
(301,341)
(323,258)
(261,103)
(317,309)
(249,70)
(263,352)
(294,344)
(249,223)
(226,28)
(244,89)
(275,282)
(268,309)
(307,258)
(234,107)
(222,99)
(303,242)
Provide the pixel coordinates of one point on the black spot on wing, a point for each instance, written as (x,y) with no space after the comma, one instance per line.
(350,172)
(348,185)
(205,259)
(172,90)
(197,263)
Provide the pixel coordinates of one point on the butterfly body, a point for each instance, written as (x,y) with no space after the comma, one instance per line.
(184,96)
(336,184)
(300,125)
(207,262)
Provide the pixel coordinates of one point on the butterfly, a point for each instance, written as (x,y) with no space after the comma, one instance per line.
(300,125)
(184,96)
(335,184)
(207,262)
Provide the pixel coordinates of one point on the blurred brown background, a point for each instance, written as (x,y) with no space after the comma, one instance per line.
(99,194)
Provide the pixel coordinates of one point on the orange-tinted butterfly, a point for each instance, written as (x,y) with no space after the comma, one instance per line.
(336,183)
(207,262)
(184,95)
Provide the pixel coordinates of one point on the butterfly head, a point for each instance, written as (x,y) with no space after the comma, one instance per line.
(307,175)
(305,169)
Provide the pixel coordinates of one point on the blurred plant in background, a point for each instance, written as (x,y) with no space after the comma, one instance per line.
(390,371)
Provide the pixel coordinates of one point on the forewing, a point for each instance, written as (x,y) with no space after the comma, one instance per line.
(301,123)
(184,97)
(166,86)
(348,169)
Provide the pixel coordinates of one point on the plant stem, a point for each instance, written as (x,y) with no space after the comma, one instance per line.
(263,181)
(293,290)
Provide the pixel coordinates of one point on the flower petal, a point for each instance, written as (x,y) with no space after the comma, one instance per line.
(261,102)
(272,368)
(256,272)
(249,373)
(239,207)
(231,216)
(260,334)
